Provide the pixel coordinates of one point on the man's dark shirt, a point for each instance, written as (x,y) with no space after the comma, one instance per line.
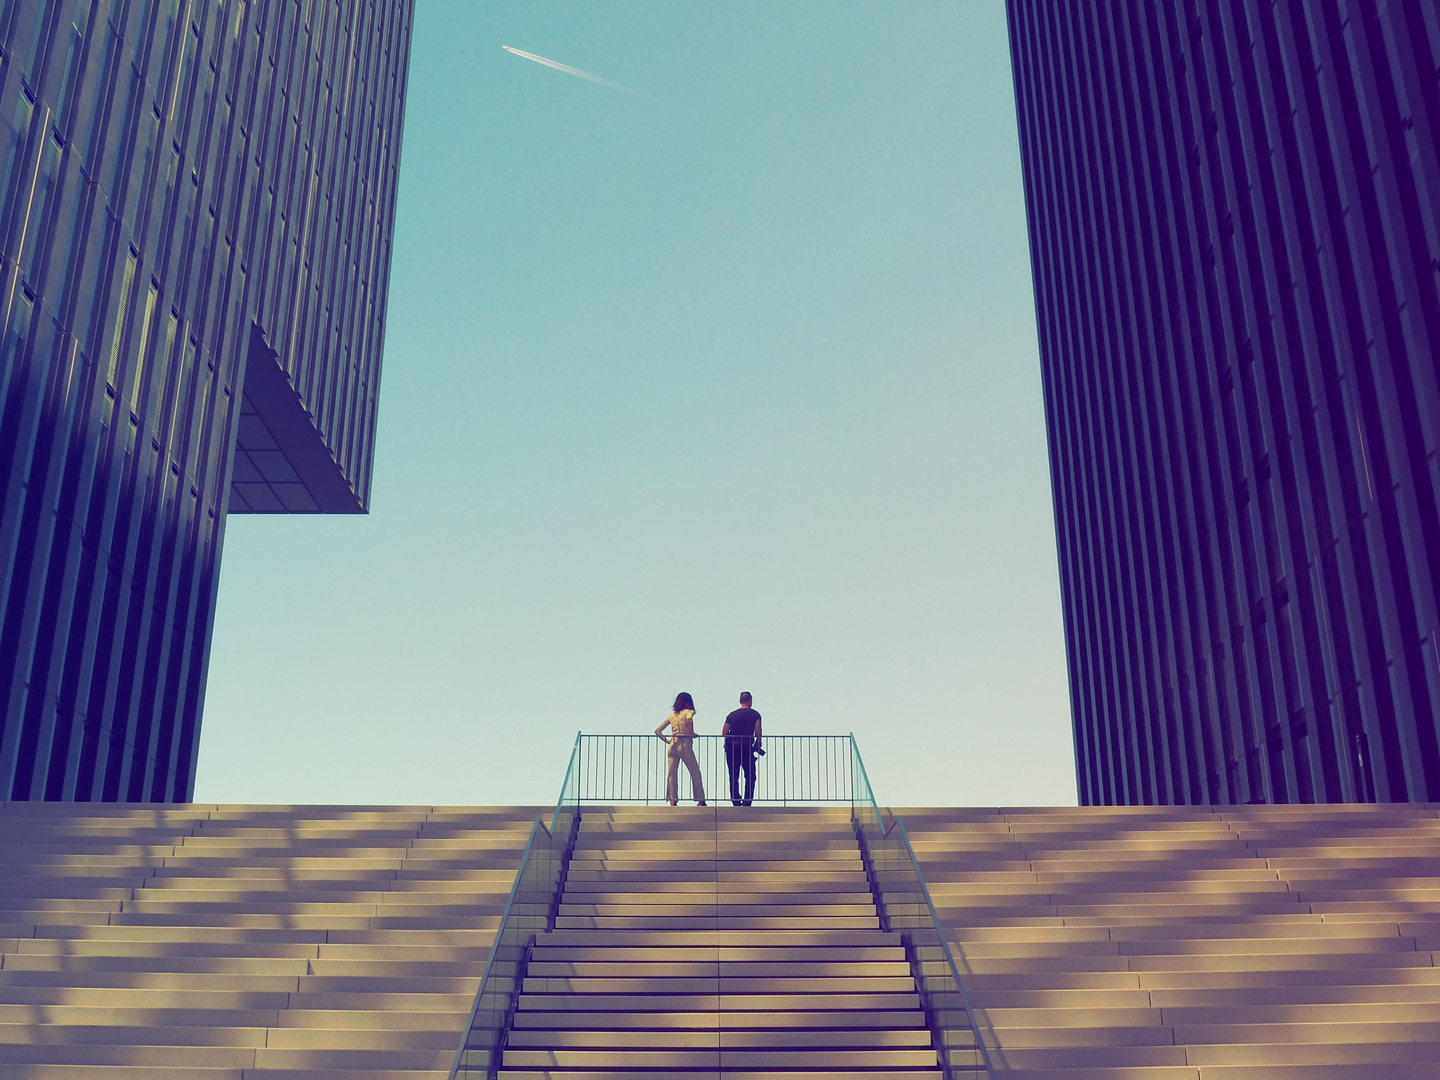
(743,722)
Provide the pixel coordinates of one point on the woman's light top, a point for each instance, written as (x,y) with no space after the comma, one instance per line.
(681,723)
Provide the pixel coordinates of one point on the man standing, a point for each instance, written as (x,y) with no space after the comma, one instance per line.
(742,743)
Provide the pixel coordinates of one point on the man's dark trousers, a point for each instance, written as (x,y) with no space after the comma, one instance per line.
(740,757)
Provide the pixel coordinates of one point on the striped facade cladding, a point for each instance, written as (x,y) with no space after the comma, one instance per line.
(1234,215)
(196,204)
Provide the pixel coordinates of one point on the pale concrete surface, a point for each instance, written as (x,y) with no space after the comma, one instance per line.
(206,942)
(345,943)
(718,941)
(1243,943)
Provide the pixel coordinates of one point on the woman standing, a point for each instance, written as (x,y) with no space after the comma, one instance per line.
(681,723)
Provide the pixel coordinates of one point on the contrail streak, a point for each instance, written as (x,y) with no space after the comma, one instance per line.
(563,67)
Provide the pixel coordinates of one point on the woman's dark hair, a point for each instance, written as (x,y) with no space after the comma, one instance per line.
(684,701)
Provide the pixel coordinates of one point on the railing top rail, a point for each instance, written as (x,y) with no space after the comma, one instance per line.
(587,738)
(864,778)
(565,784)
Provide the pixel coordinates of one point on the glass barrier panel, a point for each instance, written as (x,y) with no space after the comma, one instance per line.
(479,1057)
(904,903)
(529,914)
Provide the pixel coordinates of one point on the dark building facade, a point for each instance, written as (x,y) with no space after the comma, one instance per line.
(196,203)
(1234,213)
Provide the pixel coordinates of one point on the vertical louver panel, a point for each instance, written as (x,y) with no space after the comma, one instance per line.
(1234,216)
(157,163)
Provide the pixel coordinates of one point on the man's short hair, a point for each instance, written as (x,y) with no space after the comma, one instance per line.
(745,697)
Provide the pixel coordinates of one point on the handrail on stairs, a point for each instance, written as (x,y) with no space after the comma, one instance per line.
(902,896)
(529,910)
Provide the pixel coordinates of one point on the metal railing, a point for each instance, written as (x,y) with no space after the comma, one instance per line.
(529,911)
(905,906)
(805,769)
(794,769)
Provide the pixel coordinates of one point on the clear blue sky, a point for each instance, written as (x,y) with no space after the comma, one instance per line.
(723,380)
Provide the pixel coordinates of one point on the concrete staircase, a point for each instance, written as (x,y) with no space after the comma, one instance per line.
(215,943)
(698,942)
(206,942)
(1256,943)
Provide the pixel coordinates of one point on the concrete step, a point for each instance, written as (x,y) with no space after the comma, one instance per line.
(723,985)
(713,1020)
(624,966)
(42,1071)
(807,1059)
(795,907)
(728,1073)
(762,951)
(728,941)
(818,1000)
(724,1038)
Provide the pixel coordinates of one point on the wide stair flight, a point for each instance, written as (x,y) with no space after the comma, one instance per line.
(1184,943)
(346,943)
(245,943)
(702,942)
